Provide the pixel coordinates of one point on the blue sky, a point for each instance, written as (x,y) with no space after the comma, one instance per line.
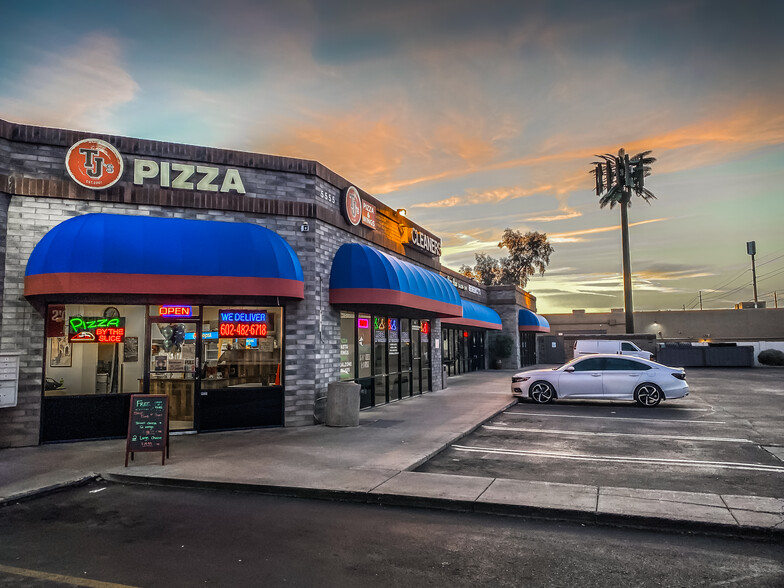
(473,116)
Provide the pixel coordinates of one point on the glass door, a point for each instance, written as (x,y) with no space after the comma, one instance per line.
(172,367)
(416,357)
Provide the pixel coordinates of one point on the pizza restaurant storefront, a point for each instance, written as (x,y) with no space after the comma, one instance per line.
(219,360)
(239,285)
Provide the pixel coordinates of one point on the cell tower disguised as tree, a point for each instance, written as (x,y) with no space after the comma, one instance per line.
(617,178)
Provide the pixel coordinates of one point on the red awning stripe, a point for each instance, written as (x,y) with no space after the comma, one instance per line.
(154,284)
(370,296)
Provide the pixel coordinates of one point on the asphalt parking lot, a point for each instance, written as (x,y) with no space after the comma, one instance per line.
(726,437)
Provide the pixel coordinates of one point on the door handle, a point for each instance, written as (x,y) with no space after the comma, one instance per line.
(596,375)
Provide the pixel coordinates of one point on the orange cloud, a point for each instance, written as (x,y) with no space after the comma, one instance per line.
(375,147)
(566,214)
(485,196)
(743,127)
(365,150)
(601,229)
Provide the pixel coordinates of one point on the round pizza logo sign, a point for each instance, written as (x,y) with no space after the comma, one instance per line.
(94,164)
(353,206)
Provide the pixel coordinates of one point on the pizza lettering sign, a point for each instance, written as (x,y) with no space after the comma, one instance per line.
(96,330)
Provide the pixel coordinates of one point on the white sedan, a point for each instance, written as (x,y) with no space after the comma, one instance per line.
(608,377)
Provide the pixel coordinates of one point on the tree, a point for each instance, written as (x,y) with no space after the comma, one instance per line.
(487,270)
(616,179)
(528,253)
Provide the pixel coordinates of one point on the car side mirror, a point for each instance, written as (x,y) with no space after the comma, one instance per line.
(570,369)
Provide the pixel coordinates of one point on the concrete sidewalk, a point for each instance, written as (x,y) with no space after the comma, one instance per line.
(373,462)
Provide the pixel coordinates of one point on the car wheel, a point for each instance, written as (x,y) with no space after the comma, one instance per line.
(648,395)
(542,392)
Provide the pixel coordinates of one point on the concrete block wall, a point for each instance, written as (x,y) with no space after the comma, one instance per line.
(508,314)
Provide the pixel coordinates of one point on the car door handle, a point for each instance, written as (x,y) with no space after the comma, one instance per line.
(596,375)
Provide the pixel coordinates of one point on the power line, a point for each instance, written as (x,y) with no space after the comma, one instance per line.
(727,294)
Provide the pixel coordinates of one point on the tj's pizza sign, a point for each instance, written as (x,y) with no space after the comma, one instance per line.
(96,164)
(356,210)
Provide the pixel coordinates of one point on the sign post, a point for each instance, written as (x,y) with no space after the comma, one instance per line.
(148,425)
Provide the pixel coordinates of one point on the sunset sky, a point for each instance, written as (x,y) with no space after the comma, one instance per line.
(475,116)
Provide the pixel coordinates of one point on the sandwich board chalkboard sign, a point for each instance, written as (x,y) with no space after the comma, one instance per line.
(148,425)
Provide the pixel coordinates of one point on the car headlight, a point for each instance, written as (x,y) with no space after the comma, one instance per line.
(516,379)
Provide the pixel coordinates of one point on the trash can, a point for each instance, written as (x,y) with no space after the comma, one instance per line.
(342,404)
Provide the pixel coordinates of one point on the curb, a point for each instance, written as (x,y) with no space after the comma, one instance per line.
(46,490)
(649,523)
(456,438)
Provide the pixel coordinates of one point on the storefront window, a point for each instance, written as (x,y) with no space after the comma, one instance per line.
(94,349)
(379,360)
(241,346)
(416,358)
(347,346)
(405,357)
(364,344)
(379,345)
(425,352)
(393,345)
(388,356)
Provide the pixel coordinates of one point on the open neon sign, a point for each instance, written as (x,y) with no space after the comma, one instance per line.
(96,330)
(175,311)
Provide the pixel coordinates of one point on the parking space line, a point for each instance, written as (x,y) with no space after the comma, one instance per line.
(619,459)
(59,578)
(601,434)
(612,418)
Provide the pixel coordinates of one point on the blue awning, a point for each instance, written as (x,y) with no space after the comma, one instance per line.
(476,315)
(362,275)
(527,320)
(115,254)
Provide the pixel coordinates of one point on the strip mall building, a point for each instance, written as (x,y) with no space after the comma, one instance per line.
(238,284)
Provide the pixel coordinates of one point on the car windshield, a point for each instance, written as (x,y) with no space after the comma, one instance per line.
(567,364)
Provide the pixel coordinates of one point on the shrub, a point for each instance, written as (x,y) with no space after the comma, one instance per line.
(501,347)
(771,357)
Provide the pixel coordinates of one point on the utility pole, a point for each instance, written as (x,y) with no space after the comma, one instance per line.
(700,299)
(775,299)
(751,249)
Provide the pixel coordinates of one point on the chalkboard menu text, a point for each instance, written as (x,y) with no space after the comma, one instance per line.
(148,425)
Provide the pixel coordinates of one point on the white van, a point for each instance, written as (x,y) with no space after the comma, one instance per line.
(589,346)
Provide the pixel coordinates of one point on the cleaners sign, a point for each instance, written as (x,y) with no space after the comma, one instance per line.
(422,241)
